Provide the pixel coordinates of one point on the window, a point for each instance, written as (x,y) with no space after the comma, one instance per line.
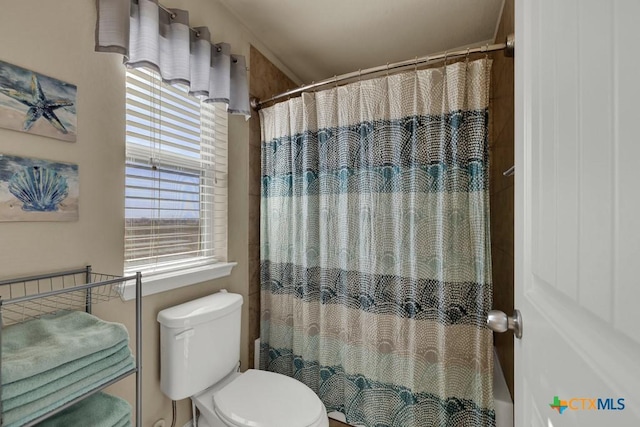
(176,178)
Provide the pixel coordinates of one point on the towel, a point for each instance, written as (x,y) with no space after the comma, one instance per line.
(85,364)
(30,411)
(125,422)
(97,368)
(98,410)
(36,346)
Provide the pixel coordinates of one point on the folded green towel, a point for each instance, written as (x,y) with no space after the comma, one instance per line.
(125,422)
(39,345)
(25,413)
(85,364)
(97,368)
(98,410)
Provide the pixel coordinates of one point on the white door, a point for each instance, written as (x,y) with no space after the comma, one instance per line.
(578,212)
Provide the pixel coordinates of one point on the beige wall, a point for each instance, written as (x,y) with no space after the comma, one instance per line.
(57,39)
(501,187)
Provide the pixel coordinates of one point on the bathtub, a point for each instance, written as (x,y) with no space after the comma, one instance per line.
(502,398)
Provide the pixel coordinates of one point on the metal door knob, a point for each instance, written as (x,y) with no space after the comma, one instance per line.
(498,321)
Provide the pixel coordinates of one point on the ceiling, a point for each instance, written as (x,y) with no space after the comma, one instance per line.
(317,39)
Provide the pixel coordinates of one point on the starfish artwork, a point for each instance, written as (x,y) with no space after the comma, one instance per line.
(30,106)
(39,105)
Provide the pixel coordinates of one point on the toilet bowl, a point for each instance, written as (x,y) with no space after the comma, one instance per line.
(199,353)
(260,399)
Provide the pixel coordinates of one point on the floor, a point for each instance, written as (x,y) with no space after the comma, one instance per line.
(334,423)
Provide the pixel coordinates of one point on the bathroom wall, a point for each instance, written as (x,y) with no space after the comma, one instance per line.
(265,80)
(501,187)
(57,39)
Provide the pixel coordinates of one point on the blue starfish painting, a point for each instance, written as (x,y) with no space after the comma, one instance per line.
(39,105)
(34,103)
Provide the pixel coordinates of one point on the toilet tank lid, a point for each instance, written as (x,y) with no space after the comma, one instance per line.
(200,310)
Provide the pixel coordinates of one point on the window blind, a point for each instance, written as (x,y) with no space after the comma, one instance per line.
(176,177)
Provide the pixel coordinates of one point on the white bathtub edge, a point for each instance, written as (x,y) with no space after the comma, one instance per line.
(501,396)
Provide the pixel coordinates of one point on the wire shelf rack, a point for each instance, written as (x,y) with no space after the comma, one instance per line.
(32,297)
(36,296)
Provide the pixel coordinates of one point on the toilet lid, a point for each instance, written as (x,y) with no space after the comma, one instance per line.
(266,399)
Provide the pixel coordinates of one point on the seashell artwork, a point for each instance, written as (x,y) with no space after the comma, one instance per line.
(37,190)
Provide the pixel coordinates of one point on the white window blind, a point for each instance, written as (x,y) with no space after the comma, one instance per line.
(176,177)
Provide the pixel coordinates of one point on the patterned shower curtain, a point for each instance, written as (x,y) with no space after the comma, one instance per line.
(375,252)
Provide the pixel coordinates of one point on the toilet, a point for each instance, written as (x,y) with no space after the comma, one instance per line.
(199,354)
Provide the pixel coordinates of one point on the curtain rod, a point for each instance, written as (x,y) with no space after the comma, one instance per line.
(173,15)
(508,46)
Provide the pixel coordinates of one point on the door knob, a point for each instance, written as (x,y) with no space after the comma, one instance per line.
(498,321)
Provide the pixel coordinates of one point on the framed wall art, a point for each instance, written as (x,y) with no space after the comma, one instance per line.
(37,190)
(34,103)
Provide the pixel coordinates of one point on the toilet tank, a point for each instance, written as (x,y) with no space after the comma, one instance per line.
(199,343)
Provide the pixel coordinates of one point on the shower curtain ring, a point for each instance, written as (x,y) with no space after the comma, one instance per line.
(467,56)
(387,69)
(415,64)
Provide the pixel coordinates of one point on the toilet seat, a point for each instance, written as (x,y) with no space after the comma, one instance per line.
(266,399)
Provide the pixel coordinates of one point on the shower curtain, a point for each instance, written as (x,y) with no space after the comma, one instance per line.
(375,252)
